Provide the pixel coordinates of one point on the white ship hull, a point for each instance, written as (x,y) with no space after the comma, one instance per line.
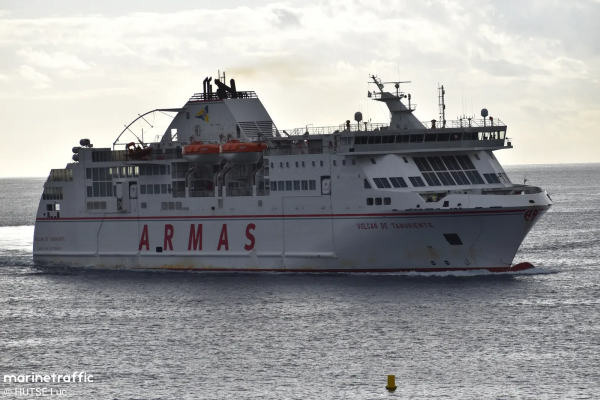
(313,243)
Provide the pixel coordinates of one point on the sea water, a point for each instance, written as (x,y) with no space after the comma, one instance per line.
(167,335)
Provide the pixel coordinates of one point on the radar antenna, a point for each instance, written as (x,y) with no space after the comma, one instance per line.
(397,86)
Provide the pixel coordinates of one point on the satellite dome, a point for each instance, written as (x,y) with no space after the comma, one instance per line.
(358,116)
(484,112)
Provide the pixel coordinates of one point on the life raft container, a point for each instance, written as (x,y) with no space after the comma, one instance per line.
(238,152)
(200,153)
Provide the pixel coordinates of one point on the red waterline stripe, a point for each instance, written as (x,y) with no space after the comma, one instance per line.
(328,271)
(299,216)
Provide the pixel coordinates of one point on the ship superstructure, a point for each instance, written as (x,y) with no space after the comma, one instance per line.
(225,189)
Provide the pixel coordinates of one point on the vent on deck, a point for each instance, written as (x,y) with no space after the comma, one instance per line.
(252,128)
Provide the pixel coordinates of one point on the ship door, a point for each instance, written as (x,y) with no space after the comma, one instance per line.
(125,191)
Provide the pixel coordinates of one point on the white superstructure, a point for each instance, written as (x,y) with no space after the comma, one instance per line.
(356,197)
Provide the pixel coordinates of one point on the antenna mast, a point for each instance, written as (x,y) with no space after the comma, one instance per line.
(442,105)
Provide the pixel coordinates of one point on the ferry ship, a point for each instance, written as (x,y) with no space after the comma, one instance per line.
(224,189)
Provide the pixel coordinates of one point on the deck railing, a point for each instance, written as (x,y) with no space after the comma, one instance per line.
(391,147)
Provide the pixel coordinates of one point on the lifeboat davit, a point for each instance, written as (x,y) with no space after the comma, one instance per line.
(238,152)
(200,153)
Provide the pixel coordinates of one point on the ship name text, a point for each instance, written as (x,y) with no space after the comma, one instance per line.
(393,225)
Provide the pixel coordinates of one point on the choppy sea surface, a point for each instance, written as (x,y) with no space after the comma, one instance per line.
(179,335)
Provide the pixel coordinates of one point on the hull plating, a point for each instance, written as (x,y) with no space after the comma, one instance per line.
(316,243)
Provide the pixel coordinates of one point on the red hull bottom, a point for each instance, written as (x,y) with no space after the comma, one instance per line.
(515,268)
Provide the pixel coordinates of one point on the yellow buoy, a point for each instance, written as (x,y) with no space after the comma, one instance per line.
(391,386)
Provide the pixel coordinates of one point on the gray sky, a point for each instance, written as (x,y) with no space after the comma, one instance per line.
(71,69)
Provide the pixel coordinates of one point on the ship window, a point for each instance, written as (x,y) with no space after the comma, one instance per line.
(446,178)
(460,178)
(155,170)
(371,139)
(422,164)
(288,185)
(377,201)
(369,201)
(505,177)
(274,186)
(367,184)
(157,189)
(95,174)
(102,190)
(280,186)
(491,178)
(150,189)
(377,139)
(416,138)
(416,181)
(304,185)
(387,201)
(405,160)
(96,205)
(142,189)
(296,185)
(451,163)
(476,157)
(187,115)
(163,188)
(312,185)
(164,205)
(334,163)
(163,169)
(144,205)
(48,207)
(96,186)
(431,179)
(474,177)
(384,139)
(398,182)
(122,172)
(303,164)
(136,171)
(287,164)
(88,173)
(281,164)
(89,192)
(171,205)
(372,161)
(321,163)
(465,162)
(178,205)
(313,164)
(382,183)
(272,165)
(436,163)
(296,164)
(343,162)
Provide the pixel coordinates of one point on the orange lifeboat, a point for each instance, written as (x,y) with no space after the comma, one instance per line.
(238,152)
(200,153)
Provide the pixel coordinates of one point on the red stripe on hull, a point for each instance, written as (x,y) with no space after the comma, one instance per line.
(258,216)
(515,268)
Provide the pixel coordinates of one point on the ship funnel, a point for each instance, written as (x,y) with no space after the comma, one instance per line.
(233,89)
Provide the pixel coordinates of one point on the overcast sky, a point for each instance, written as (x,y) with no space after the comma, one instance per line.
(71,69)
